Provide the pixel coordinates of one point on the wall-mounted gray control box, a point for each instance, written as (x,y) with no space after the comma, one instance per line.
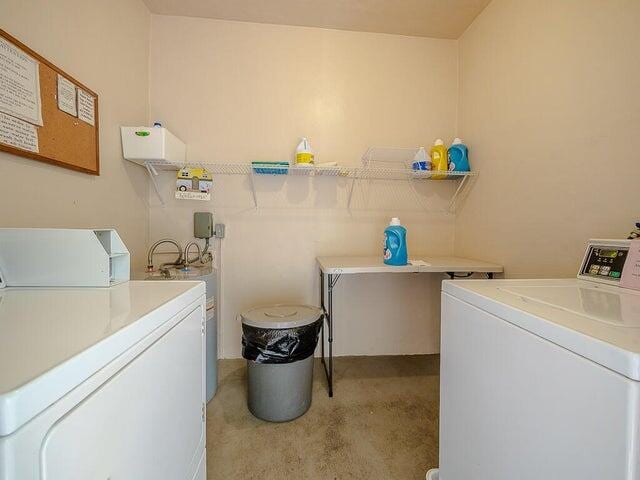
(203,225)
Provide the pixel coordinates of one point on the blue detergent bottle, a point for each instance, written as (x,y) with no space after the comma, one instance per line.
(395,243)
(459,157)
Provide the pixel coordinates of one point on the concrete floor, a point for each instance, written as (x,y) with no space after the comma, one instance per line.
(381,424)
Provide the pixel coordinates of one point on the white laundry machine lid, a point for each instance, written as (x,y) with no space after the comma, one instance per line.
(53,339)
(281,316)
(599,322)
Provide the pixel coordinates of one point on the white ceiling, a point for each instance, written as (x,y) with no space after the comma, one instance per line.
(424,18)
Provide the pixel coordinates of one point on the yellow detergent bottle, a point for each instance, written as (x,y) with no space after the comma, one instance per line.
(304,154)
(439,160)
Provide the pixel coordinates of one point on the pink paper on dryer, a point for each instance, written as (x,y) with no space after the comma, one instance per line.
(631,271)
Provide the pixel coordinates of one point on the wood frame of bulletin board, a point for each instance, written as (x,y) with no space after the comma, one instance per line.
(63,139)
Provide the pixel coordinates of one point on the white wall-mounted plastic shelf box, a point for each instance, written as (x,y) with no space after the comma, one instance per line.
(47,257)
(153,144)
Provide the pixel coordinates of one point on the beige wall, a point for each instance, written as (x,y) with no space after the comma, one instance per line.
(547,100)
(236,92)
(105,46)
(549,105)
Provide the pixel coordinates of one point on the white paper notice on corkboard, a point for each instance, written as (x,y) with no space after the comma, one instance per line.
(67,96)
(18,133)
(86,107)
(19,84)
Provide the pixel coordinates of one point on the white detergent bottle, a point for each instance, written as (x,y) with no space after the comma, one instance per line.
(304,154)
(420,161)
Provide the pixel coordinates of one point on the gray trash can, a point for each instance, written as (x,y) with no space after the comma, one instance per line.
(278,343)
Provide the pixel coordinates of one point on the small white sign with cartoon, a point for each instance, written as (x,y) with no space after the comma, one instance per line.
(194,184)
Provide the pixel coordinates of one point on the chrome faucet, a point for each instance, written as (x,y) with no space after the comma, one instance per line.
(152,251)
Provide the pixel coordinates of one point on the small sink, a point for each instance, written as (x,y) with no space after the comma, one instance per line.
(180,273)
(157,275)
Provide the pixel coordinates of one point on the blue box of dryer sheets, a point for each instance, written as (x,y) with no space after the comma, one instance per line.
(271,168)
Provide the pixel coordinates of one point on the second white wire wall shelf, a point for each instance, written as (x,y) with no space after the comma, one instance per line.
(378,163)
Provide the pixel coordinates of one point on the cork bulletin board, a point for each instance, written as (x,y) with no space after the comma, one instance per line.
(45,114)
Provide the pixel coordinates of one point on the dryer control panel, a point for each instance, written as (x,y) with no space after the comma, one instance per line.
(604,261)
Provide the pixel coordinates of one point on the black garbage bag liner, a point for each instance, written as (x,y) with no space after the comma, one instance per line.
(284,345)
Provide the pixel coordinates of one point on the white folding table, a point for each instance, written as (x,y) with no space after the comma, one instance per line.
(332,268)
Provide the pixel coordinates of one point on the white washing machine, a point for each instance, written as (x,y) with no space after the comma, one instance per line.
(540,379)
(103,383)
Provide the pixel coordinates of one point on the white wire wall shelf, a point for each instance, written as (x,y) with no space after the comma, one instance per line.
(358,173)
(378,164)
